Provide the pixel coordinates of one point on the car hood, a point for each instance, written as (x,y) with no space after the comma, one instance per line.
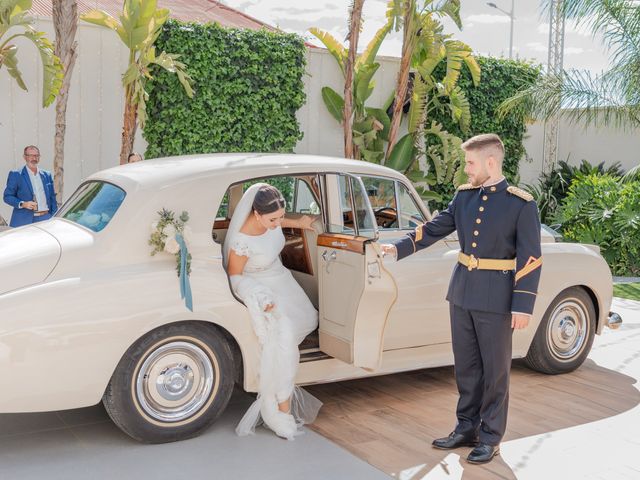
(27,256)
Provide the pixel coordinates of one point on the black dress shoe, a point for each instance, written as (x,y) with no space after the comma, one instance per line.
(455,440)
(483,453)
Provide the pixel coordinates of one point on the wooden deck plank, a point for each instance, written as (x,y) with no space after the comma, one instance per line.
(390,421)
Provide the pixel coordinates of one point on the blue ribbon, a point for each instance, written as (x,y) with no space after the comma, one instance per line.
(185,286)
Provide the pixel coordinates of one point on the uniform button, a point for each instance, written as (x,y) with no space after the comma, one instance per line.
(478,220)
(493,189)
(482,209)
(474,244)
(484,197)
(476,233)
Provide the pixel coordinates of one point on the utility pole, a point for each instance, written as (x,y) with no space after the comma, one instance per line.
(554,67)
(512,16)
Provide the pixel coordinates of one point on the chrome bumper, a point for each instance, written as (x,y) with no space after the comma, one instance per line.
(614,320)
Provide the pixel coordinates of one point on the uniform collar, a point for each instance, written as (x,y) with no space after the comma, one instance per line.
(496,187)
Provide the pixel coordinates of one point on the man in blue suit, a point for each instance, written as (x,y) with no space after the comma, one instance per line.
(30,191)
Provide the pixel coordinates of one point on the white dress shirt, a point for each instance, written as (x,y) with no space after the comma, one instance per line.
(38,190)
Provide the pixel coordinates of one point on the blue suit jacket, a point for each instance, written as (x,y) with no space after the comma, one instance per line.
(19,189)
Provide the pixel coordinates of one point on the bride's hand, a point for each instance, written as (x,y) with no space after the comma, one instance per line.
(269,307)
(305,222)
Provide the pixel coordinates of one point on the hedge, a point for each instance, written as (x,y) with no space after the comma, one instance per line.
(501,78)
(248,87)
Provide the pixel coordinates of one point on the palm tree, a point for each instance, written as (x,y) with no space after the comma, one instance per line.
(609,98)
(428,154)
(139,27)
(15,14)
(65,22)
(422,42)
(366,126)
(355,20)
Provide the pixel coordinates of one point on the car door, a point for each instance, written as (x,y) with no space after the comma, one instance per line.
(356,291)
(420,315)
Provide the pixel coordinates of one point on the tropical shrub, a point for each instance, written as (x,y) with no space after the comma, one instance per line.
(602,210)
(552,187)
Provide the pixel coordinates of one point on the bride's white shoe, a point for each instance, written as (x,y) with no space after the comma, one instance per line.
(283,424)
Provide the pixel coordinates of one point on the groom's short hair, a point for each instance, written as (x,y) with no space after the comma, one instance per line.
(488,143)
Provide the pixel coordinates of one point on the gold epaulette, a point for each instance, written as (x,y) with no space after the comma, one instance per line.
(518,192)
(468,186)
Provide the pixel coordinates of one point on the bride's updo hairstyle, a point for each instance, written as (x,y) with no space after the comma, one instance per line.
(268,199)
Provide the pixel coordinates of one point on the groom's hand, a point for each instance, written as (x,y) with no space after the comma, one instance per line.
(519,320)
(388,249)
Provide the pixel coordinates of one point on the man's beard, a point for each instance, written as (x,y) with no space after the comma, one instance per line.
(480,179)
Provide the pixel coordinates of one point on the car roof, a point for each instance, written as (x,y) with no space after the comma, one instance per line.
(170,170)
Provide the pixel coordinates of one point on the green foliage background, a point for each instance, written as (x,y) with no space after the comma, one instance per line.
(501,78)
(248,87)
(602,210)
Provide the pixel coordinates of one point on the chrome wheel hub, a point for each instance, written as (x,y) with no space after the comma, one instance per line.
(568,330)
(174,381)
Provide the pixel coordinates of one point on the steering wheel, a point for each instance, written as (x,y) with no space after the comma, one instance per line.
(390,222)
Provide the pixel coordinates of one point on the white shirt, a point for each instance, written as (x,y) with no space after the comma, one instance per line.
(38,190)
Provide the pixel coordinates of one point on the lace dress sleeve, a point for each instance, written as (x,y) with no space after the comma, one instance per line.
(241,248)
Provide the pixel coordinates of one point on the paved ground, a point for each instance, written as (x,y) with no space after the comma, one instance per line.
(83,443)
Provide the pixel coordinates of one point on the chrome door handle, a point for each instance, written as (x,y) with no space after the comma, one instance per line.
(329,257)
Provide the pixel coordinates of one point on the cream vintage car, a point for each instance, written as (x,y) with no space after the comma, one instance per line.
(87,314)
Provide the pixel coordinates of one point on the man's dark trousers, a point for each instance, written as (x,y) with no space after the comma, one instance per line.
(482,357)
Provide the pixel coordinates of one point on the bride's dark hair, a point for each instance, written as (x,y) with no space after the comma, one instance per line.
(268,199)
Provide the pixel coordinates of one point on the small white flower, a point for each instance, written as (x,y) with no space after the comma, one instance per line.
(170,231)
(171,245)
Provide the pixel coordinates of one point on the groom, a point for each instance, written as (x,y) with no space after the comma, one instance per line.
(492,290)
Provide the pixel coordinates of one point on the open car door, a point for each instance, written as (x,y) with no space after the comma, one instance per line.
(356,292)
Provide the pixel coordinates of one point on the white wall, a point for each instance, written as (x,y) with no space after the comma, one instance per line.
(94,112)
(94,116)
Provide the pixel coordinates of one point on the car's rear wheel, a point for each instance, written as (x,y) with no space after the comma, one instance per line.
(565,334)
(172,383)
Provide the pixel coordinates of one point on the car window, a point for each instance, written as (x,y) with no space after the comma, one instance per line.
(410,215)
(382,196)
(362,213)
(353,216)
(344,223)
(93,205)
(303,199)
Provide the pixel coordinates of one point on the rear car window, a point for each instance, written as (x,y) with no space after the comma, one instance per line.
(93,205)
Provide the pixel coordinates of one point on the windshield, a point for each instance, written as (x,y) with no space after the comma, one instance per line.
(93,205)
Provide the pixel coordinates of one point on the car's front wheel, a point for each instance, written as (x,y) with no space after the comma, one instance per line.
(565,334)
(172,383)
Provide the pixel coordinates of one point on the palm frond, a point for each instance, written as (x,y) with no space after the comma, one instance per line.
(336,49)
(632,175)
(618,21)
(446,8)
(584,97)
(419,100)
(369,54)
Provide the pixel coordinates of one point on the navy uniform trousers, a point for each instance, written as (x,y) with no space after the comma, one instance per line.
(482,362)
(495,222)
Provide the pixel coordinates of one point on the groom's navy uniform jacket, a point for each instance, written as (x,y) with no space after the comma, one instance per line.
(498,229)
(496,222)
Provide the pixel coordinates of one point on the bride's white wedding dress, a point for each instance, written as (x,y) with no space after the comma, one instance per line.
(266,281)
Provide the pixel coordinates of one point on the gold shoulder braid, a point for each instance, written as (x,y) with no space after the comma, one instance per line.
(468,186)
(518,192)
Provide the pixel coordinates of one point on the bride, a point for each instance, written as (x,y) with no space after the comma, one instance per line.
(281,313)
